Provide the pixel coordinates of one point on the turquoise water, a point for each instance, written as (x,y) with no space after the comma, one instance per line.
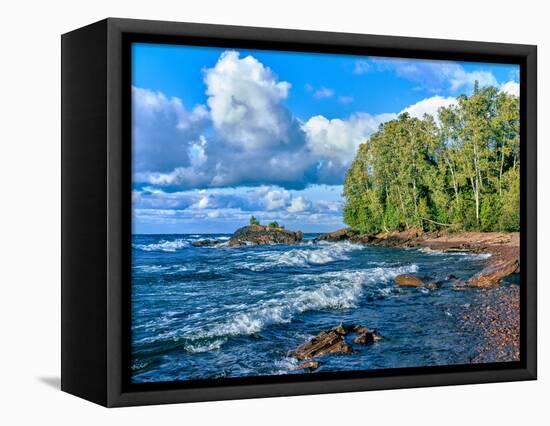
(215,312)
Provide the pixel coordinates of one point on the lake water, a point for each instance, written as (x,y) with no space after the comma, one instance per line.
(215,312)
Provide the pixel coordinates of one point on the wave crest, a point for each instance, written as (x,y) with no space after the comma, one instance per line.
(163,245)
(330,290)
(303,258)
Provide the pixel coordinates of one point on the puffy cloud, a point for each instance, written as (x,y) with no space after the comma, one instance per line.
(429,106)
(164,130)
(510,87)
(274,199)
(337,140)
(245,98)
(299,204)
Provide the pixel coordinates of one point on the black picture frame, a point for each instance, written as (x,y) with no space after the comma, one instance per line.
(96,211)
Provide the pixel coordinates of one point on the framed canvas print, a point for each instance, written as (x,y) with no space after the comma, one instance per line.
(252,212)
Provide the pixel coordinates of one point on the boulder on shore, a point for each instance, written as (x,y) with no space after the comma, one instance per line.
(205,243)
(339,235)
(258,234)
(492,275)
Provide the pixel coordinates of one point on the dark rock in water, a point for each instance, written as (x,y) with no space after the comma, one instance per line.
(450,277)
(492,275)
(342,329)
(332,341)
(339,235)
(359,329)
(309,365)
(368,337)
(258,234)
(408,281)
(204,243)
(432,286)
(326,342)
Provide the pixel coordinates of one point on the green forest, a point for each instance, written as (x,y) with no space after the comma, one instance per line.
(459,171)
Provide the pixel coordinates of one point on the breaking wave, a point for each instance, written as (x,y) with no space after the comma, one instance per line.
(302,258)
(331,290)
(163,245)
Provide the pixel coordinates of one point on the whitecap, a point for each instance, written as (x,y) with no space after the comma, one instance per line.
(302,258)
(196,347)
(163,245)
(331,290)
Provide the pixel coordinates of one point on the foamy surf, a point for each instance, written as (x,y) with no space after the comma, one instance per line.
(163,245)
(331,290)
(302,258)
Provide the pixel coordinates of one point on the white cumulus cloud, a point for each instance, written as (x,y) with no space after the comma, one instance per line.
(337,139)
(299,204)
(245,98)
(163,130)
(429,106)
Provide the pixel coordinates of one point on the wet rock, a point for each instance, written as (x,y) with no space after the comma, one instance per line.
(262,235)
(450,277)
(332,341)
(367,337)
(341,329)
(408,281)
(205,243)
(339,235)
(309,365)
(326,342)
(359,329)
(492,275)
(433,286)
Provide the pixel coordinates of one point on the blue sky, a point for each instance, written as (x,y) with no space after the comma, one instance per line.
(221,134)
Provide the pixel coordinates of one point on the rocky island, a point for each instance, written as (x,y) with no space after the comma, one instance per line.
(261,235)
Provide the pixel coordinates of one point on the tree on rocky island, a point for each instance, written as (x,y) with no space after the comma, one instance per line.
(253,221)
(274,224)
(458,171)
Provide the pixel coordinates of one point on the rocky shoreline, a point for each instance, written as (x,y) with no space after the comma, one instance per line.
(502,247)
(497,314)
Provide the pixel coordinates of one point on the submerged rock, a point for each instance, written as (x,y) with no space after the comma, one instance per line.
(492,275)
(205,243)
(367,337)
(261,235)
(339,235)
